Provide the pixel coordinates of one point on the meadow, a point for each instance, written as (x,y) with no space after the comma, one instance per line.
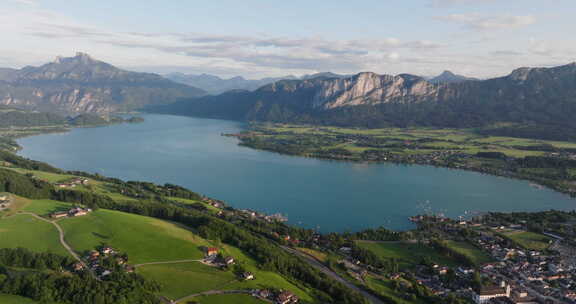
(22,230)
(144,239)
(183,279)
(430,139)
(228,299)
(478,256)
(10,299)
(530,240)
(407,254)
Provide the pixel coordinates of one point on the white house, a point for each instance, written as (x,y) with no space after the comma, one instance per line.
(486,294)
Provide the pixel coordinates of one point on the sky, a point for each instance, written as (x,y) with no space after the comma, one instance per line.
(264,38)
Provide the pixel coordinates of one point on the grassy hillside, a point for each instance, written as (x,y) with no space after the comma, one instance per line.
(407,254)
(151,227)
(180,280)
(476,255)
(530,240)
(25,231)
(183,279)
(144,239)
(10,299)
(45,207)
(228,299)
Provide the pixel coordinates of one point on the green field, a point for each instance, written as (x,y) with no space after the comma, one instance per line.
(407,254)
(47,176)
(190,202)
(263,279)
(465,140)
(22,230)
(183,279)
(385,287)
(228,299)
(144,239)
(10,299)
(45,207)
(478,256)
(530,240)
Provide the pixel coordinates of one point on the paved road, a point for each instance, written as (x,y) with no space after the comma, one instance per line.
(314,263)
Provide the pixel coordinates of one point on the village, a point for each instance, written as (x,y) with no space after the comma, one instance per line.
(516,275)
(72,183)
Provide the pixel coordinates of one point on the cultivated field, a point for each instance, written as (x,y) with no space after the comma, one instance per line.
(144,239)
(530,240)
(22,230)
(407,254)
(478,256)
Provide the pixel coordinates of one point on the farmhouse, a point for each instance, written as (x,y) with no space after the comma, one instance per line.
(229,260)
(211,251)
(286,297)
(59,214)
(76,211)
(248,276)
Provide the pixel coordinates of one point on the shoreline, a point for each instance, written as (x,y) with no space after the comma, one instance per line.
(297,224)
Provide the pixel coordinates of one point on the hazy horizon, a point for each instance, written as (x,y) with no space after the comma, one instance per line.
(256,39)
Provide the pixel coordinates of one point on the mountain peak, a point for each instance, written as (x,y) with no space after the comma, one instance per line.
(84,57)
(449,77)
(80,57)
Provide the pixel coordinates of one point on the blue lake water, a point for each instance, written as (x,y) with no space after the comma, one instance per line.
(329,195)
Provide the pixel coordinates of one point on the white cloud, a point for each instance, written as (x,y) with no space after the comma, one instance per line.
(484,23)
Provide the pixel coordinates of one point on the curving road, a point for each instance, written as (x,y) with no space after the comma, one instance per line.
(314,263)
(62,241)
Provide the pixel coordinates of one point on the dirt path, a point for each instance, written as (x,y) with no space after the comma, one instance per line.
(314,263)
(62,240)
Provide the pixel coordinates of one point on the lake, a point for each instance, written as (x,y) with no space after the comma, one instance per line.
(327,195)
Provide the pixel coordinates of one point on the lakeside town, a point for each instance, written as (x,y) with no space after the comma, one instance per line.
(513,272)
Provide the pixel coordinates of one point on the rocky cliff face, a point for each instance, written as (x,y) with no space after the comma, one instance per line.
(82,84)
(362,89)
(527,95)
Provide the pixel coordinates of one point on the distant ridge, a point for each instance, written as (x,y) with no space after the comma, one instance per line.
(449,77)
(215,85)
(533,96)
(82,84)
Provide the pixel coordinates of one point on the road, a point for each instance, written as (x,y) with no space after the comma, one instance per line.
(62,241)
(314,263)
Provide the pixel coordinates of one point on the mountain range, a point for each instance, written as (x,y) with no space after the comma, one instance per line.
(82,84)
(543,96)
(215,85)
